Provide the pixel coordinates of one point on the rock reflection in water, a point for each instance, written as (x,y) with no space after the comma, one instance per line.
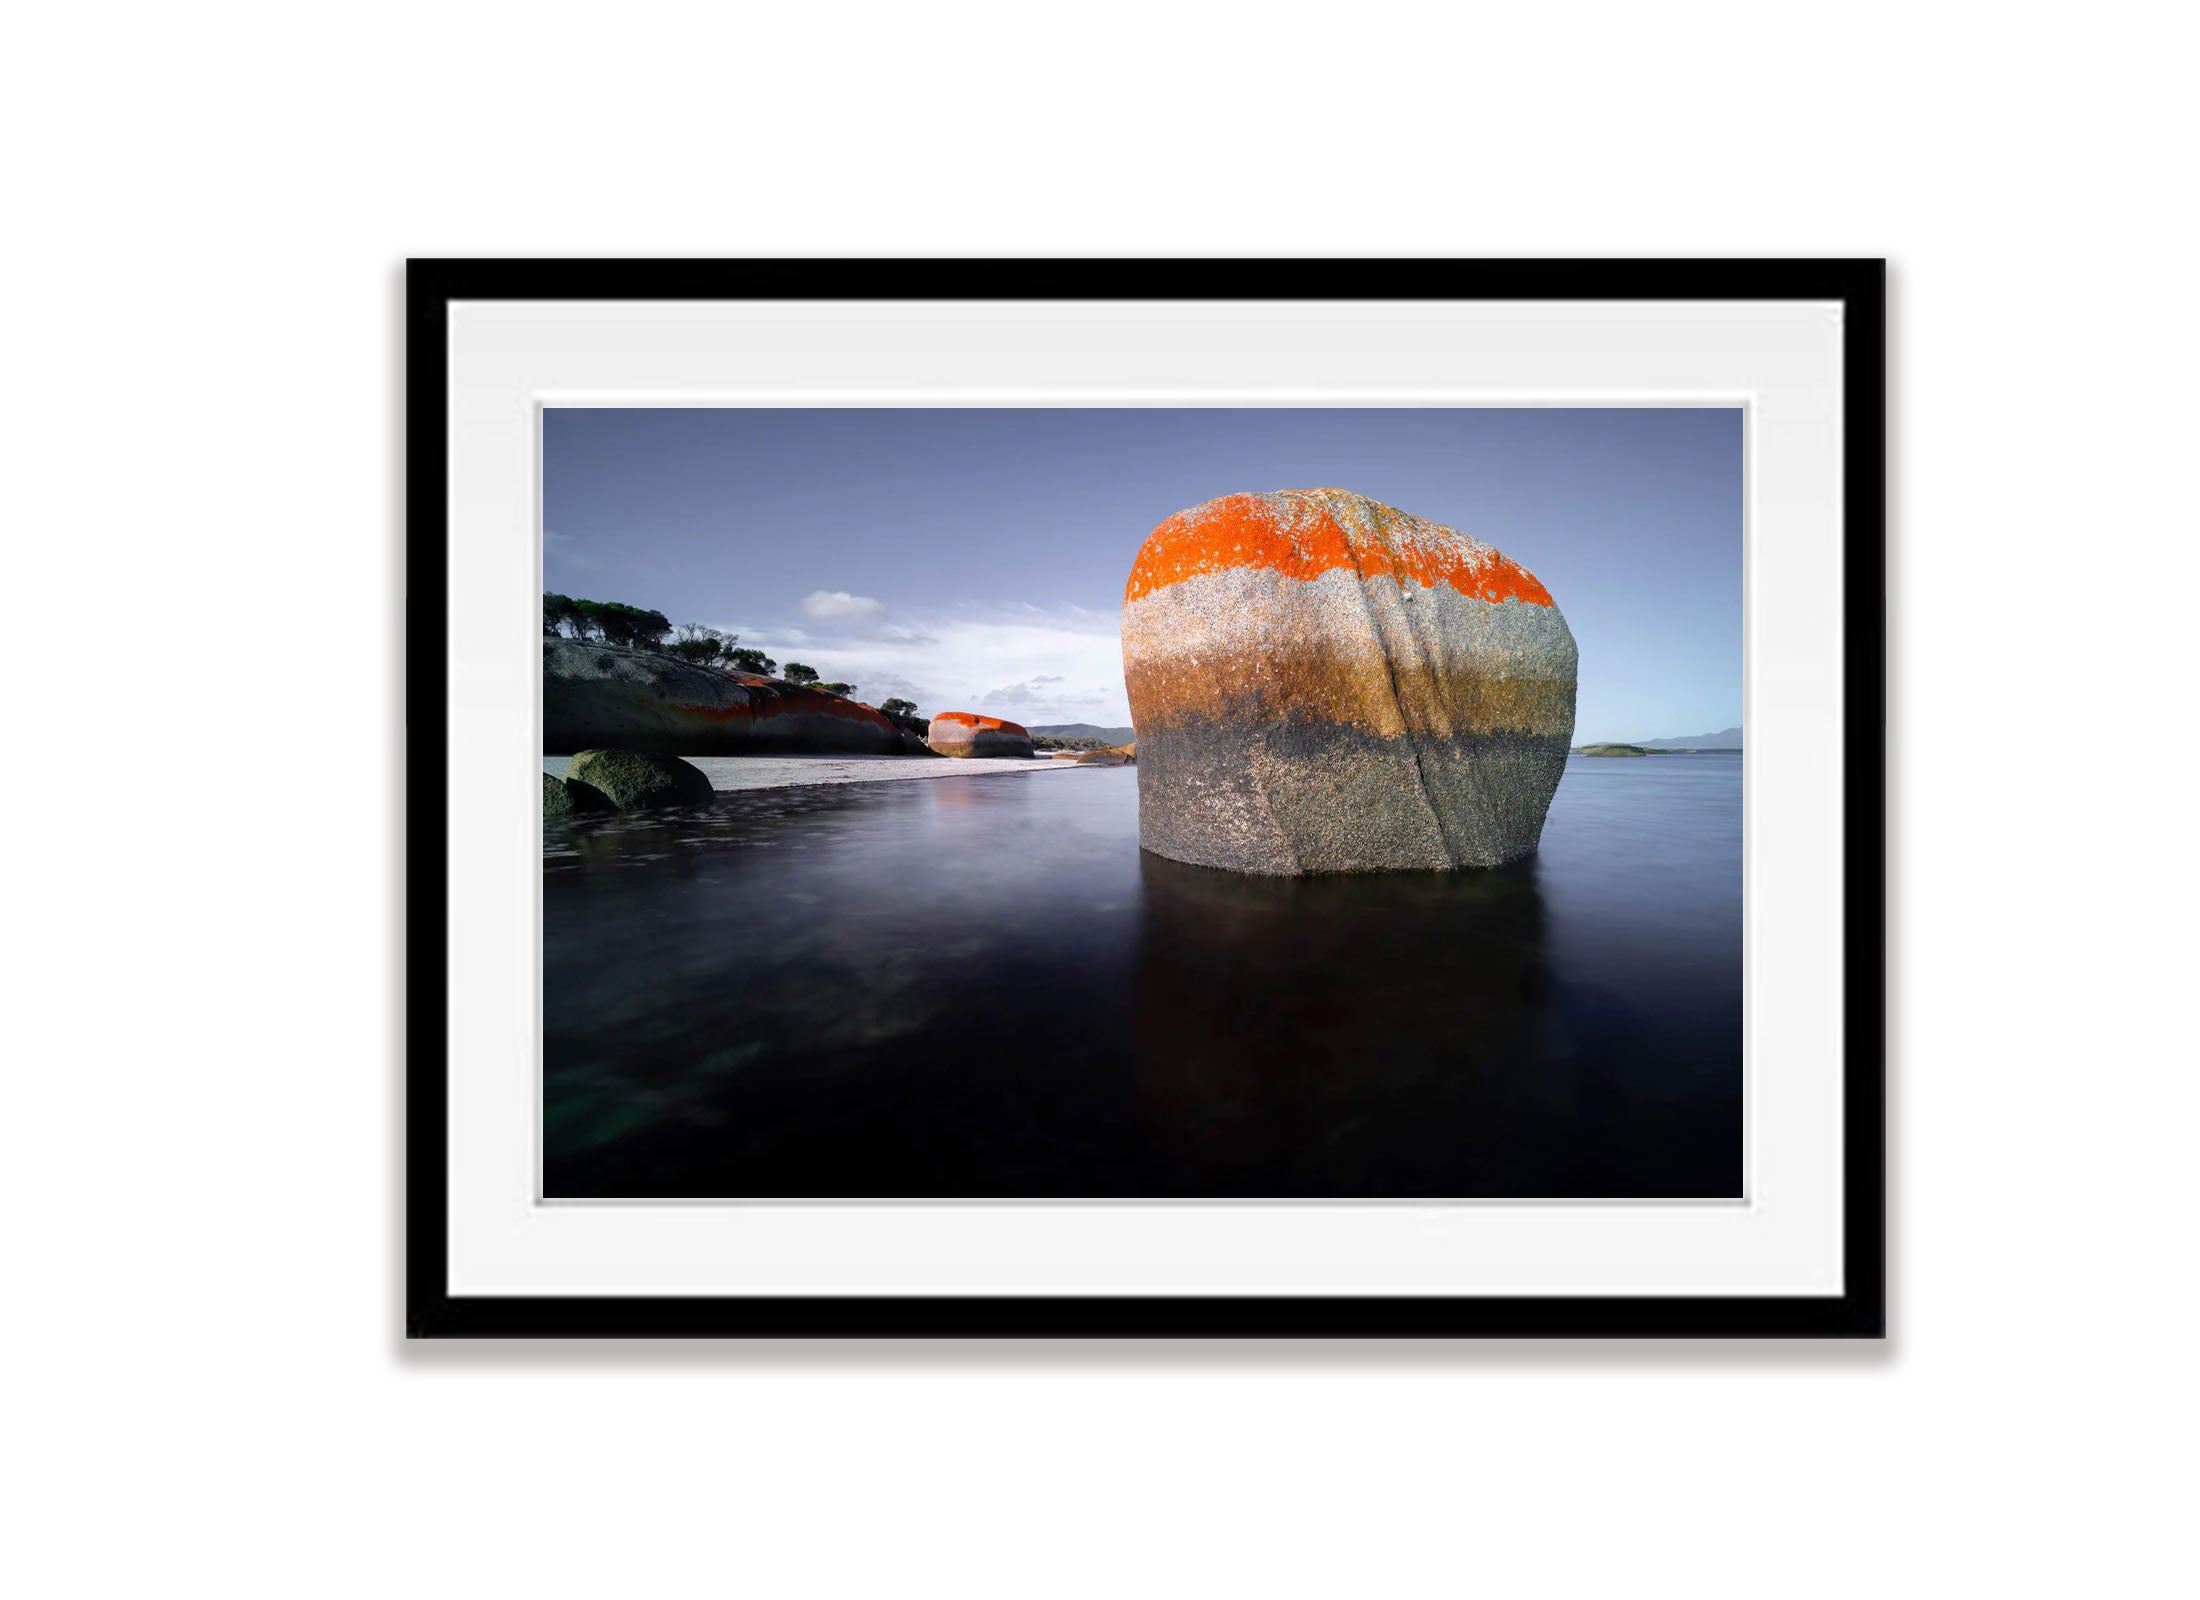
(1359,1034)
(981,988)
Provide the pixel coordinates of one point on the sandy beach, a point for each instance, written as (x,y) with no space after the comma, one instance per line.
(788,772)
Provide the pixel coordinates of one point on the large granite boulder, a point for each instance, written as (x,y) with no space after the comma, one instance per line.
(600,695)
(965,733)
(1323,683)
(636,780)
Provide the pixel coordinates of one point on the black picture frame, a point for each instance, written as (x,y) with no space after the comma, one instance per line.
(1859,1311)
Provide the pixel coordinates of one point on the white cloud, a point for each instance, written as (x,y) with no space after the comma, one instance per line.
(1034,689)
(878,687)
(838,605)
(1027,663)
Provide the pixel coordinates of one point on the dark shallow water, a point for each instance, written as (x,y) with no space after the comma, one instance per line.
(981,987)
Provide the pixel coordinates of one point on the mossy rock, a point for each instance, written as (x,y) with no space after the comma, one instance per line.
(633,780)
(563,799)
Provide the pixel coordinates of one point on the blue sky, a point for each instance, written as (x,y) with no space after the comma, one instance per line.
(974,559)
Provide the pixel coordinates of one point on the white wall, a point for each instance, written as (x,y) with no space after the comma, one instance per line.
(208,206)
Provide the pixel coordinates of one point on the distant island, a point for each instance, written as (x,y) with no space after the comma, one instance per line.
(1727,741)
(1724,739)
(1067,732)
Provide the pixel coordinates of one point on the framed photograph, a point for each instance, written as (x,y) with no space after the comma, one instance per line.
(1145,798)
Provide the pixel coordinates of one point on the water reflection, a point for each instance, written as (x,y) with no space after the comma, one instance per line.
(1366,1034)
(979,987)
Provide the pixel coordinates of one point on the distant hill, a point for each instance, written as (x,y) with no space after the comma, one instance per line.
(1085,730)
(1724,739)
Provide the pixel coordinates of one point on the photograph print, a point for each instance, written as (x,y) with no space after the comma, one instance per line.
(1105,804)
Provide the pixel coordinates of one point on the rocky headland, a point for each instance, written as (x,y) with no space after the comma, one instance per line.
(597,695)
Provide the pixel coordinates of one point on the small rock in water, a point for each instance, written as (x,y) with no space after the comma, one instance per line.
(562,798)
(634,780)
(588,800)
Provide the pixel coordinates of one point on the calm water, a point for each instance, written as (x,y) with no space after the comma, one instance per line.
(980,986)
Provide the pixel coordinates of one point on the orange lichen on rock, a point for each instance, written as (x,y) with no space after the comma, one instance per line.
(1324,683)
(970,719)
(1303,533)
(965,733)
(790,701)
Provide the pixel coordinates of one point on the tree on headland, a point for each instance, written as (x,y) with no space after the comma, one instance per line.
(699,645)
(714,647)
(641,629)
(748,660)
(632,626)
(810,677)
(903,714)
(588,620)
(607,620)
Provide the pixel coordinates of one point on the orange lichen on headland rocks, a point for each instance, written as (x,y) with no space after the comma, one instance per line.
(791,701)
(1303,533)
